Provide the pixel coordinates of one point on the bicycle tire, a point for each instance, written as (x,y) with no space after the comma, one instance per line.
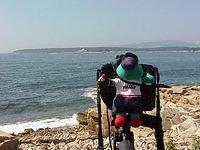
(126,145)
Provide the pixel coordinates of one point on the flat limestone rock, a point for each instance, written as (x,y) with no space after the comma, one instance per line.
(8,142)
(5,136)
(11,144)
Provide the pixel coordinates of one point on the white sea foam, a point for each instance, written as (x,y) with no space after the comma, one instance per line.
(90,92)
(54,122)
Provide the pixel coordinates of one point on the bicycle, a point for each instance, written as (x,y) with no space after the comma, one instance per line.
(123,137)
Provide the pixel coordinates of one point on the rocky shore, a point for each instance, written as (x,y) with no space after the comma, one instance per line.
(180,110)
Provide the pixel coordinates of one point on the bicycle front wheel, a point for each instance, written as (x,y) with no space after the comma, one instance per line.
(126,145)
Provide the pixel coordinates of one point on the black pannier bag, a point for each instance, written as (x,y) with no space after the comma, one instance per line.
(148,92)
(107,92)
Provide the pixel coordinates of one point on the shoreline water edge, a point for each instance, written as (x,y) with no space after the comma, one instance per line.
(19,127)
(181,121)
(35,125)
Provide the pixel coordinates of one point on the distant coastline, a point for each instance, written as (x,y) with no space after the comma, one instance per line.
(106,49)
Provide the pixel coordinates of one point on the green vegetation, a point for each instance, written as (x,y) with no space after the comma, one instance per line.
(170,144)
(196,143)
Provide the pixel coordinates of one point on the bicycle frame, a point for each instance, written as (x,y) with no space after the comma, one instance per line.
(124,133)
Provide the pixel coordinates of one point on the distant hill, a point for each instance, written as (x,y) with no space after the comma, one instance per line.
(168,43)
(104,49)
(146,46)
(82,49)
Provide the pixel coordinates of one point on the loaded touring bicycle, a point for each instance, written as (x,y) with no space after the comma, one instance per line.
(123,137)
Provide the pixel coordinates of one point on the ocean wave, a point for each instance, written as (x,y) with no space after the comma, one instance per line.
(51,123)
(90,92)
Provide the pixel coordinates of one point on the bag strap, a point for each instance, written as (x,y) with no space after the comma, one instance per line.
(129,82)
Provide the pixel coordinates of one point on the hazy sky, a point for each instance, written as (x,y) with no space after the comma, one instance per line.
(76,23)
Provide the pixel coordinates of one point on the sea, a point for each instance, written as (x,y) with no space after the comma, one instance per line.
(40,90)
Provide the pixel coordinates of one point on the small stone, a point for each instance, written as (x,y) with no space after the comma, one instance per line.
(92,112)
(196,116)
(166,124)
(177,119)
(170,92)
(193,102)
(28,131)
(163,90)
(82,118)
(183,100)
(195,88)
